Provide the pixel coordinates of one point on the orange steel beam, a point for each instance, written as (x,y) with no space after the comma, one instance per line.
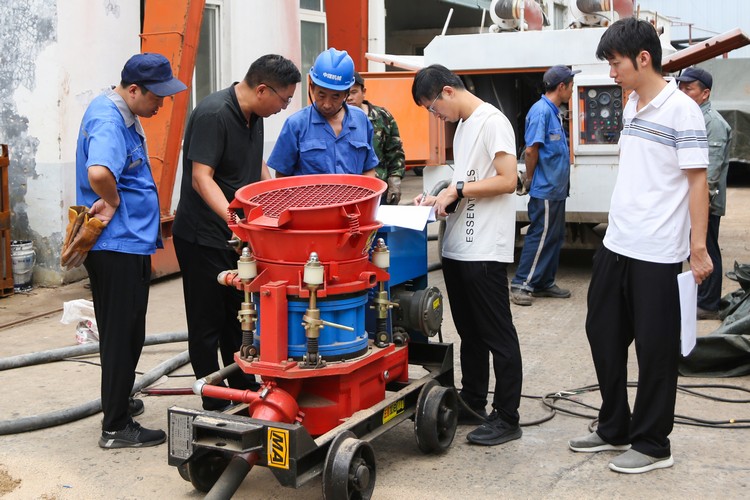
(171,28)
(348,28)
(703,51)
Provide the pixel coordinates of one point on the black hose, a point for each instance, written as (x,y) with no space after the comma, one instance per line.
(37,358)
(64,416)
(230,480)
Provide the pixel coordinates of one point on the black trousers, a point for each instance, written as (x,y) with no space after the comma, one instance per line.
(479,300)
(119,285)
(709,292)
(628,300)
(211,311)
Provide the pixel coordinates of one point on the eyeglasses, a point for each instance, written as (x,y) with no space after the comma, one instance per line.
(287,100)
(430,107)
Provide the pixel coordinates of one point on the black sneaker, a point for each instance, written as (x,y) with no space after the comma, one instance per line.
(520,297)
(132,436)
(493,432)
(466,417)
(554,292)
(135,407)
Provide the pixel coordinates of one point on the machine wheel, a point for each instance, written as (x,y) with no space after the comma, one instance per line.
(436,417)
(203,472)
(349,469)
(183,470)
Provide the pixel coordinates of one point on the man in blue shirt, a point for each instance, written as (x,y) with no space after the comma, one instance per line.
(327,137)
(113,177)
(548,173)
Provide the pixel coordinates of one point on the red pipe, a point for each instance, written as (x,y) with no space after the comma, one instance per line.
(511,9)
(624,8)
(270,402)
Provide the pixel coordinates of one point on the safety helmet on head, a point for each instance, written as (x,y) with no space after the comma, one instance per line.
(333,69)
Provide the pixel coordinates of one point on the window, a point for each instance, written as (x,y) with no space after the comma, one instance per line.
(206,76)
(312,37)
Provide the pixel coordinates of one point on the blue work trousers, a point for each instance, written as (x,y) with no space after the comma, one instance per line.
(541,246)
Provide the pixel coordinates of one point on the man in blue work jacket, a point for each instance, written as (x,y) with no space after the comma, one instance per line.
(113,177)
(548,174)
(328,136)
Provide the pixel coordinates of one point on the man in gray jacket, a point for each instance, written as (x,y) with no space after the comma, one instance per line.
(697,83)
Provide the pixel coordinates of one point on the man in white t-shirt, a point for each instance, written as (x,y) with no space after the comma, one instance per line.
(657,217)
(478,245)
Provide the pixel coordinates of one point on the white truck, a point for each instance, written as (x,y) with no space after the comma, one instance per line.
(505,68)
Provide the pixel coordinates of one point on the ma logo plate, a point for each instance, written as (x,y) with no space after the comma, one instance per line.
(278,448)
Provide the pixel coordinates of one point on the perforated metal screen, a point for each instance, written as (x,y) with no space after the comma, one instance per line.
(320,195)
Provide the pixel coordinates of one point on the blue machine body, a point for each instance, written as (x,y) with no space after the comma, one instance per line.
(333,343)
(408,269)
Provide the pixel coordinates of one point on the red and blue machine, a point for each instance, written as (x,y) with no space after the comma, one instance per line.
(336,309)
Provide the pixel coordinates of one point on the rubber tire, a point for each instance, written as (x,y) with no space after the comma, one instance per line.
(203,472)
(436,418)
(349,457)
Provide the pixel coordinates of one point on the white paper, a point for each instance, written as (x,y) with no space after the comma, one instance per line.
(688,309)
(408,216)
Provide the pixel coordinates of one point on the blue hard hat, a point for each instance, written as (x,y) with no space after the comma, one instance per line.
(333,69)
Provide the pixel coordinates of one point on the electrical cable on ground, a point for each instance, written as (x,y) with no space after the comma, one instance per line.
(551,401)
(64,416)
(79,350)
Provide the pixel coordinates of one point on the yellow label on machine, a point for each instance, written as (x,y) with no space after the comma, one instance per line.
(278,448)
(393,410)
(436,303)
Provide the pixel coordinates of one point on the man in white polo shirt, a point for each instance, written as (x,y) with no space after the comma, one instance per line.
(658,217)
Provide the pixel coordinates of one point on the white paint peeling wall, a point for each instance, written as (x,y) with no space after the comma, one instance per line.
(79,53)
(70,51)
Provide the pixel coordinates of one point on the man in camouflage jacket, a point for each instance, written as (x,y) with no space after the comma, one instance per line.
(386,141)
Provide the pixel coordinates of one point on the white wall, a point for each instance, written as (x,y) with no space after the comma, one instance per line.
(258,27)
(60,55)
(66,52)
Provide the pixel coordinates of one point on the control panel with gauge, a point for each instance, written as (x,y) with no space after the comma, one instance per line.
(600,114)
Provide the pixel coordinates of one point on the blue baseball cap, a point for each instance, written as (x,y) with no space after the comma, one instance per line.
(693,74)
(558,74)
(153,72)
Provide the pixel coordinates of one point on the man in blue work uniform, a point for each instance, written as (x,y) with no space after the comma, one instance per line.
(327,137)
(548,174)
(113,177)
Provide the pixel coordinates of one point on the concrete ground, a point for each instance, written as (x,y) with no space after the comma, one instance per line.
(65,462)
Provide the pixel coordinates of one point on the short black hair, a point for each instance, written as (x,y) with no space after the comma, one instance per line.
(272,69)
(429,82)
(628,37)
(551,88)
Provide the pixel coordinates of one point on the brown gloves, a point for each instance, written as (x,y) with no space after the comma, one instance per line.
(82,232)
(393,195)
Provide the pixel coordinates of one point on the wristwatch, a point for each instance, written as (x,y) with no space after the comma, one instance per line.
(460,189)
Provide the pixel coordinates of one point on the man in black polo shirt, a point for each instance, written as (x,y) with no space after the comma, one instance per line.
(222,151)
